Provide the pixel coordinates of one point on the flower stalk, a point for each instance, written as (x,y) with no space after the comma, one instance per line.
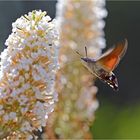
(81,24)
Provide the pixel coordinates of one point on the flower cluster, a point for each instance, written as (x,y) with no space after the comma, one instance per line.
(27,76)
(80,23)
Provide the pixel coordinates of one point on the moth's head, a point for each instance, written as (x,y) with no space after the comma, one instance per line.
(85,59)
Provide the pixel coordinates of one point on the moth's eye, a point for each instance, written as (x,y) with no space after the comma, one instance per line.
(84,59)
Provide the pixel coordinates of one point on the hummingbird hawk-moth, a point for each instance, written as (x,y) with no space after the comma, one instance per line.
(103,66)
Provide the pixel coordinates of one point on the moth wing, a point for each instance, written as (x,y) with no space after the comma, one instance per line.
(110,59)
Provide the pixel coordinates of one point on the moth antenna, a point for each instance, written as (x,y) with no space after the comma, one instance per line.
(78,53)
(86,51)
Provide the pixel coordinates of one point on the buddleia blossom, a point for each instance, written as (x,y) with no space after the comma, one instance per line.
(80,23)
(27,76)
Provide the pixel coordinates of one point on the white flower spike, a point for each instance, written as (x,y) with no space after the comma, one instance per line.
(27,76)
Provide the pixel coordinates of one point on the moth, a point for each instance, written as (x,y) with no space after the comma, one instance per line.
(103,66)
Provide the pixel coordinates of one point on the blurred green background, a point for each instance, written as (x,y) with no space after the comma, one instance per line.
(119,113)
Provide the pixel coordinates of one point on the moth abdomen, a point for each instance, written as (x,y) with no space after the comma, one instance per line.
(109,78)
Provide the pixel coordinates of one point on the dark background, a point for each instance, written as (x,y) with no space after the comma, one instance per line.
(119,113)
(123,21)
